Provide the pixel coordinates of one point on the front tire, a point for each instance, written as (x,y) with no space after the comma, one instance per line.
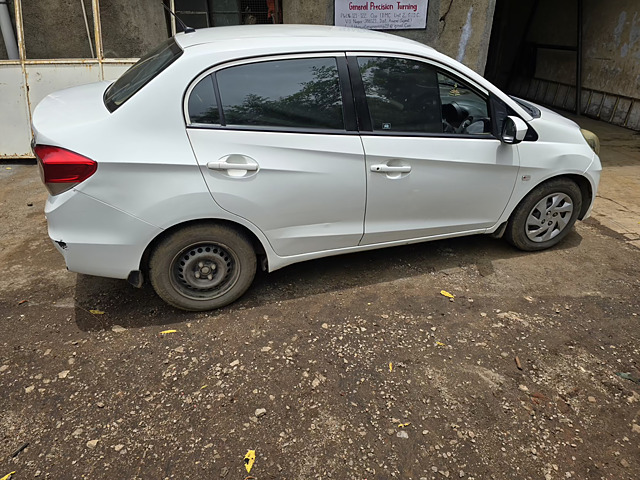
(545,216)
(202,267)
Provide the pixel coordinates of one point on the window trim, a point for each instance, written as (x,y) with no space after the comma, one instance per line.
(362,106)
(359,96)
(268,129)
(348,108)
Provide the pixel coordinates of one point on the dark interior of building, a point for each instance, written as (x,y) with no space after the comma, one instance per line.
(579,56)
(534,50)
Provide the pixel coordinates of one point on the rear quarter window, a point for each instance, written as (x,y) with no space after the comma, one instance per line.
(145,70)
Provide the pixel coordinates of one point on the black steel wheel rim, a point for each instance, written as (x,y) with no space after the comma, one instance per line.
(204,270)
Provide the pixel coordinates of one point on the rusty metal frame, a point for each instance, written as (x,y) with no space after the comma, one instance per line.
(99,51)
(172,6)
(99,59)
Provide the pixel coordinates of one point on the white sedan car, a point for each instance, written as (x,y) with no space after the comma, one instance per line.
(233,147)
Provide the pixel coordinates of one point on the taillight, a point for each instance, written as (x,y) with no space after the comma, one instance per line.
(61,169)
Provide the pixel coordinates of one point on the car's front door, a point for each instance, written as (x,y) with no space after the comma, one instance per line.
(278,146)
(434,168)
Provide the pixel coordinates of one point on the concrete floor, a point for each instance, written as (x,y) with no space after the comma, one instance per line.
(618,204)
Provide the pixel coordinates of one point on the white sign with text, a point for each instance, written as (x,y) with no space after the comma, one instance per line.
(381,14)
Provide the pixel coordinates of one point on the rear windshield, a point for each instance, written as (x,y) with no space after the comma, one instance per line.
(141,73)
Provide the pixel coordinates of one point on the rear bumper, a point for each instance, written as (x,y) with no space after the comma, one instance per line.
(95,238)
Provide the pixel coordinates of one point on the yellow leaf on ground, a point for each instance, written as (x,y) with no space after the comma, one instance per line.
(94,312)
(249,459)
(164,332)
(7,476)
(446,294)
(390,367)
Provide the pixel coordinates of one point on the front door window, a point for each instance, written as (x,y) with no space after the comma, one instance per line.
(409,96)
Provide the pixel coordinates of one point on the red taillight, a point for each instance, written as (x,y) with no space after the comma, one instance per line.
(62,169)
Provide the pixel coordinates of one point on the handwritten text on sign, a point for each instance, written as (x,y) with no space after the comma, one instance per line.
(381,14)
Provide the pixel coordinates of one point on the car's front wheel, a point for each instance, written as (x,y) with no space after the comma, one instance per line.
(202,267)
(545,216)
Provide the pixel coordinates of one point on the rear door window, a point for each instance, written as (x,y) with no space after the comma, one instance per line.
(141,73)
(292,93)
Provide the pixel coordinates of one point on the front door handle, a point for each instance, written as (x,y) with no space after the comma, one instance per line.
(383,168)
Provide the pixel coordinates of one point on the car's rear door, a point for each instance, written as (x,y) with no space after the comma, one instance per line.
(277,144)
(433,165)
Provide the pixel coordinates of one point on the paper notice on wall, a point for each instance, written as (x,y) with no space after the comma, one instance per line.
(381,14)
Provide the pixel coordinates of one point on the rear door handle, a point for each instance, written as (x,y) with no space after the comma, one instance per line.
(382,168)
(224,165)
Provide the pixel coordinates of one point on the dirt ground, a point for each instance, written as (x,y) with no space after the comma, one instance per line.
(354,367)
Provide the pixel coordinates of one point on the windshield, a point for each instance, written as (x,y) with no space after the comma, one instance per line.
(141,73)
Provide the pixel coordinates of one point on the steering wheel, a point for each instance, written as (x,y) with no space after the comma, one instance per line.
(463,126)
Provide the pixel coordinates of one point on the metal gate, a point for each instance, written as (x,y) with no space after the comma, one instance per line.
(24,82)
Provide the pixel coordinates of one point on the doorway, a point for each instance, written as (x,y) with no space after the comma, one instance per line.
(534,51)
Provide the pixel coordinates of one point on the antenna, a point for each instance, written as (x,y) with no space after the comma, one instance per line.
(184,26)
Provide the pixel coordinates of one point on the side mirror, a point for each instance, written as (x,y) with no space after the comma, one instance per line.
(514,130)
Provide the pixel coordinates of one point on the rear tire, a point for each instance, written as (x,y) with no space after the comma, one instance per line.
(202,267)
(545,216)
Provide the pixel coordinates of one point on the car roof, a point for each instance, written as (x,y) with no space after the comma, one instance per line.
(300,37)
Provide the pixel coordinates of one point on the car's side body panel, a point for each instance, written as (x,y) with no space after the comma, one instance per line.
(149,178)
(96,238)
(307,194)
(455,185)
(559,151)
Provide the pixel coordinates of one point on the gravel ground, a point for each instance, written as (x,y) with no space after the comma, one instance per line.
(353,367)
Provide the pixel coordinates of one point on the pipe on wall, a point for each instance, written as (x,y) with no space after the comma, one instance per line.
(7,32)
(579,61)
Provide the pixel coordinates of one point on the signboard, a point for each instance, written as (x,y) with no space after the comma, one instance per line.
(381,14)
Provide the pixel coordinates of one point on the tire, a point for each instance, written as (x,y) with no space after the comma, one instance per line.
(202,267)
(545,216)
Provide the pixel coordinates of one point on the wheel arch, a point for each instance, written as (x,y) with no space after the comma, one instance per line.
(517,231)
(258,247)
(585,189)
(583,183)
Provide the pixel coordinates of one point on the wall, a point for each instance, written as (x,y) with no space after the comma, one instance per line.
(555,23)
(610,59)
(464,30)
(459,29)
(131,29)
(56,29)
(612,46)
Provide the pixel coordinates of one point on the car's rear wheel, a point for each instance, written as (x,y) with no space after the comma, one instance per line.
(545,216)
(202,267)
